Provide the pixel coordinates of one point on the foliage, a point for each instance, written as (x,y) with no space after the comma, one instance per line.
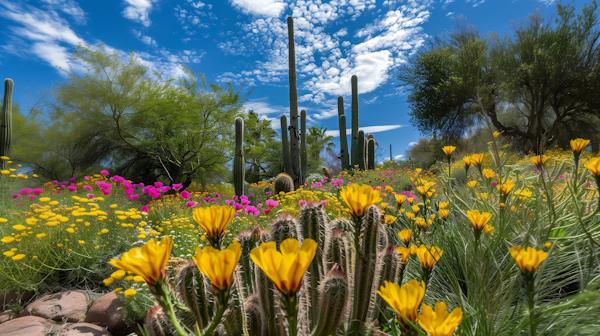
(262,148)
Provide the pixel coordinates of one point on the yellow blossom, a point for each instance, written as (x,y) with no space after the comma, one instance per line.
(405,300)
(478,220)
(578,145)
(405,236)
(528,259)
(148,261)
(18,257)
(439,322)
(448,150)
(217,265)
(129,292)
(359,198)
(429,255)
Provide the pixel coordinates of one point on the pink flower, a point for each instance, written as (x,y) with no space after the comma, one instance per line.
(249,209)
(132,197)
(191,203)
(104,173)
(185,194)
(106,191)
(19,203)
(145,208)
(86,177)
(31,197)
(72,188)
(237,206)
(266,211)
(90,195)
(177,186)
(324,202)
(217,195)
(87,187)
(154,193)
(25,191)
(587,185)
(302,202)
(72,179)
(37,191)
(158,184)
(271,203)
(269,193)
(19,195)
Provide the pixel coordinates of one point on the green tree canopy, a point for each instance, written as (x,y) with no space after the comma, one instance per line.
(542,82)
(317,140)
(262,148)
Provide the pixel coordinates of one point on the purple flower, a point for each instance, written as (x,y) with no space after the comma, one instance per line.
(185,194)
(494,183)
(72,179)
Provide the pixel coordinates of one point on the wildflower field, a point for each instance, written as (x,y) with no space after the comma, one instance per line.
(493,244)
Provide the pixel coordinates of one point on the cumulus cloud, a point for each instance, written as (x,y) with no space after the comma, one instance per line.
(270,8)
(368,129)
(138,10)
(69,7)
(410,144)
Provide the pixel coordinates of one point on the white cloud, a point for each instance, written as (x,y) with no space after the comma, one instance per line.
(270,8)
(368,129)
(398,157)
(69,7)
(138,10)
(410,144)
(450,13)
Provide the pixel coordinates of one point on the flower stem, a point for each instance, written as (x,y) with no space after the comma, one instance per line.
(164,299)
(222,303)
(531,296)
(291,309)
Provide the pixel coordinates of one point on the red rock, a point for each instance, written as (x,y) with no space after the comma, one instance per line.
(106,311)
(7,315)
(69,305)
(25,326)
(84,329)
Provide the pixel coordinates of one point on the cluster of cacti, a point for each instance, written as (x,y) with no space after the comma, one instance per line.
(6,120)
(239,165)
(283,183)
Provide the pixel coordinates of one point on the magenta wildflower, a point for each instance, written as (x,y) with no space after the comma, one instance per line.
(185,194)
(105,172)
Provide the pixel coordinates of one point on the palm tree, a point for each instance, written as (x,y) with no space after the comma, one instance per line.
(317,140)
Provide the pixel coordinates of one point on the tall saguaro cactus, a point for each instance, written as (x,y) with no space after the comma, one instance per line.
(303,151)
(239,166)
(6,120)
(360,150)
(355,153)
(287,159)
(343,138)
(294,135)
(371,153)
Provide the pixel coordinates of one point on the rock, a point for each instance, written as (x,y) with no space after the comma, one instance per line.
(84,329)
(7,315)
(9,298)
(69,305)
(25,326)
(106,312)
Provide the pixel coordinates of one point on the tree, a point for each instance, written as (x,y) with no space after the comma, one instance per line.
(532,87)
(177,130)
(316,141)
(262,148)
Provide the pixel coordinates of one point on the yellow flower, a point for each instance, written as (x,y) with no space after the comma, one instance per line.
(113,206)
(108,281)
(390,219)
(7,240)
(429,256)
(506,187)
(413,249)
(118,274)
(527,260)
(416,209)
(477,159)
(448,150)
(420,222)
(439,322)
(138,278)
(40,235)
(116,290)
(404,253)
(148,261)
(213,220)
(4,172)
(19,227)
(44,199)
(3,220)
(129,292)
(410,215)
(578,145)
(593,165)
(18,257)
(400,199)
(487,229)
(9,253)
(539,160)
(104,231)
(548,245)
(70,230)
(443,205)
(488,173)
(405,236)
(217,265)
(472,184)
(287,267)
(4,158)
(496,134)
(405,300)
(478,220)
(359,198)
(467,161)
(81,242)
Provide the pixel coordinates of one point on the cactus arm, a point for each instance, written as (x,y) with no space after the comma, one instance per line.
(355,152)
(303,150)
(361,150)
(6,120)
(238,160)
(294,136)
(343,137)
(371,153)
(287,158)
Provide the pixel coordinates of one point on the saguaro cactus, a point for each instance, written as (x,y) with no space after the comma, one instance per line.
(239,166)
(303,152)
(360,150)
(287,158)
(6,120)
(294,135)
(343,138)
(355,153)
(371,153)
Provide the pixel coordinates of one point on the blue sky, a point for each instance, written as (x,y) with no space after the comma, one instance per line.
(237,40)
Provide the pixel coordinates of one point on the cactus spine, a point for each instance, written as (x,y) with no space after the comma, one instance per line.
(371,153)
(283,227)
(254,320)
(303,151)
(268,302)
(355,151)
(191,286)
(361,150)
(6,120)
(343,138)
(234,320)
(283,182)
(287,158)
(294,135)
(390,261)
(247,244)
(156,324)
(239,166)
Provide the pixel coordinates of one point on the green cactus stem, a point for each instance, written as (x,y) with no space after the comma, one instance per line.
(294,135)
(283,183)
(361,150)
(268,302)
(239,165)
(284,226)
(254,324)
(371,153)
(355,152)
(303,150)
(234,319)
(245,239)
(156,323)
(334,293)
(6,121)
(390,261)
(287,158)
(191,286)
(344,154)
